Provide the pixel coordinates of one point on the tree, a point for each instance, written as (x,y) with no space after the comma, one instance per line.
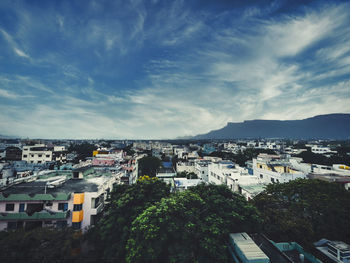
(187,175)
(149,165)
(305,211)
(126,203)
(83,150)
(191,226)
(40,245)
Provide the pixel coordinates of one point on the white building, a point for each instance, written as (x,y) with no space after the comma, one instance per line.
(188,167)
(55,202)
(201,169)
(275,169)
(321,149)
(40,153)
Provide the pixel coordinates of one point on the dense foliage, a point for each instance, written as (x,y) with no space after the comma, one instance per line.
(305,211)
(190,226)
(40,245)
(340,158)
(149,165)
(243,156)
(126,203)
(83,150)
(144,222)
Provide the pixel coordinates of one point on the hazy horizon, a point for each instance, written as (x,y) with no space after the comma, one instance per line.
(167,69)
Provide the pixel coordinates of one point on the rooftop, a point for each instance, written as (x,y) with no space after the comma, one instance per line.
(31,189)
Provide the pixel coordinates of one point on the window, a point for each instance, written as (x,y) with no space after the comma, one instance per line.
(261,176)
(24,156)
(11,225)
(61,223)
(21,207)
(40,155)
(32,155)
(10,207)
(47,156)
(272,180)
(48,204)
(39,161)
(76,225)
(63,206)
(78,207)
(202,172)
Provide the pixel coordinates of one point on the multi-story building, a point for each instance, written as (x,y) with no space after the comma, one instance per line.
(55,201)
(40,153)
(201,168)
(188,167)
(275,169)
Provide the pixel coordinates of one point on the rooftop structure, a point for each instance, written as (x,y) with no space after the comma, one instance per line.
(337,251)
(56,201)
(256,248)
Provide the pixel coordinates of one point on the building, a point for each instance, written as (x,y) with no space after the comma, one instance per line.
(337,251)
(56,201)
(321,149)
(201,169)
(257,248)
(188,167)
(275,169)
(181,184)
(40,153)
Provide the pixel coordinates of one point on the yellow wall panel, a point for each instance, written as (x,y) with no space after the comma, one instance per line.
(77,216)
(78,199)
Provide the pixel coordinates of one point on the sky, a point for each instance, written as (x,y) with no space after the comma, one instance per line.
(165,69)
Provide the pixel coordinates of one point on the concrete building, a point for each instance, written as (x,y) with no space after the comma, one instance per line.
(40,153)
(275,169)
(201,169)
(55,202)
(336,251)
(188,167)
(257,248)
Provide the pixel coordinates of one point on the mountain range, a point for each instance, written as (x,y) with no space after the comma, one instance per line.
(330,126)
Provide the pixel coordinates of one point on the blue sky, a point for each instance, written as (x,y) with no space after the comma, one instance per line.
(162,69)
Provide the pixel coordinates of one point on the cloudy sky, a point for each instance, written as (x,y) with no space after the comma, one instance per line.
(163,69)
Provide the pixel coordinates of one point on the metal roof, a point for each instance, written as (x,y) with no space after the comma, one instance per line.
(247,246)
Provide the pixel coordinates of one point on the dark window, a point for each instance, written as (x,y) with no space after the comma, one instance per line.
(25,156)
(48,156)
(39,161)
(261,176)
(76,225)
(40,155)
(63,206)
(21,207)
(272,180)
(78,207)
(48,204)
(11,225)
(19,224)
(10,207)
(61,223)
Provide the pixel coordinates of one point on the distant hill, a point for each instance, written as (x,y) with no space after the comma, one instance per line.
(330,126)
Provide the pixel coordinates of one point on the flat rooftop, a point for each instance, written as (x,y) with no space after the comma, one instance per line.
(69,186)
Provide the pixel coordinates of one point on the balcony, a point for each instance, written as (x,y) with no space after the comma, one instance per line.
(97,210)
(43,215)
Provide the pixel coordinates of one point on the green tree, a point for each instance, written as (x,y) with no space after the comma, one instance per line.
(83,150)
(126,203)
(305,211)
(191,226)
(149,165)
(40,245)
